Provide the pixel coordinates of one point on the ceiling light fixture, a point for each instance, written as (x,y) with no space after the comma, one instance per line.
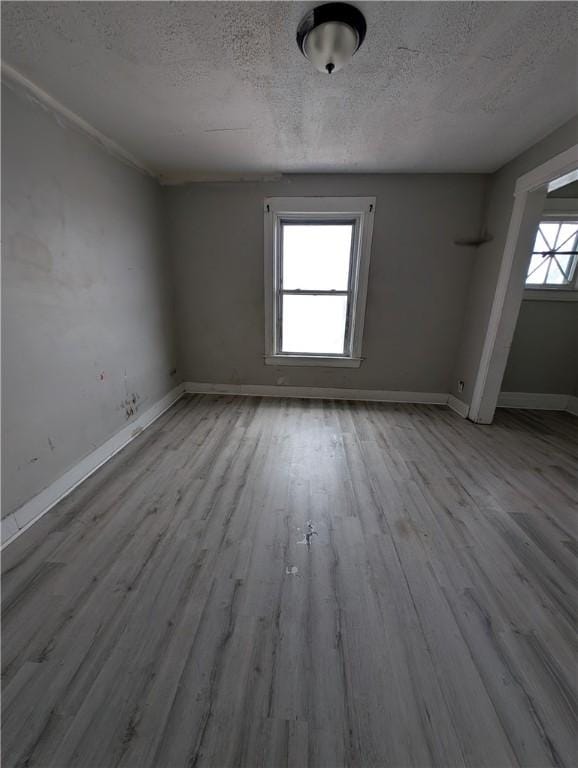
(330,34)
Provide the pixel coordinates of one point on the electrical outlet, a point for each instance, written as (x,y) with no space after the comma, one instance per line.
(460,386)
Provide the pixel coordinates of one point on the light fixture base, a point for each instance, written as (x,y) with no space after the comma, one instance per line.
(330,35)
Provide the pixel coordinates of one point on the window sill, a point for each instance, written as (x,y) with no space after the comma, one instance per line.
(324,361)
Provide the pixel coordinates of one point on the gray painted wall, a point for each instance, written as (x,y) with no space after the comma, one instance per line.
(544,353)
(417,284)
(488,257)
(86,304)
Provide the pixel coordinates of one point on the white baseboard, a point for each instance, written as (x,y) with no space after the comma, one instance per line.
(328,393)
(458,406)
(533,401)
(17,522)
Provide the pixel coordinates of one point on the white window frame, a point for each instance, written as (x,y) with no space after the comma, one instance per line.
(359,210)
(556,209)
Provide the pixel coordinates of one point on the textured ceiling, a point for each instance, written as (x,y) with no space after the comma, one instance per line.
(202,89)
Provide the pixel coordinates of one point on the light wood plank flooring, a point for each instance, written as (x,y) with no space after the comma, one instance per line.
(169,612)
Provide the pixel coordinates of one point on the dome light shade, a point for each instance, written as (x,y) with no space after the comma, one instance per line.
(330,34)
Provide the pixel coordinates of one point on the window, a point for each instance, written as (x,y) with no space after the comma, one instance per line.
(316,266)
(555,253)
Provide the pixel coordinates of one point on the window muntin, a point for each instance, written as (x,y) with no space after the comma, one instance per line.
(315,286)
(555,254)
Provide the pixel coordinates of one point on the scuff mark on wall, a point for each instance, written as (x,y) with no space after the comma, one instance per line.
(131,405)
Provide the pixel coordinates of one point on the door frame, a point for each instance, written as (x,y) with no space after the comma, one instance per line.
(529,195)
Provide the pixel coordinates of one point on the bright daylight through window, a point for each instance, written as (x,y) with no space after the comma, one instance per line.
(316,263)
(314,290)
(554,255)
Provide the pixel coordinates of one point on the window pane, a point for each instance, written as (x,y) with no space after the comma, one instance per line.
(316,256)
(536,260)
(538,275)
(564,262)
(314,324)
(566,236)
(549,230)
(555,276)
(540,244)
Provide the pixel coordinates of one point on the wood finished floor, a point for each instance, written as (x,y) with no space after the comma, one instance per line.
(169,614)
